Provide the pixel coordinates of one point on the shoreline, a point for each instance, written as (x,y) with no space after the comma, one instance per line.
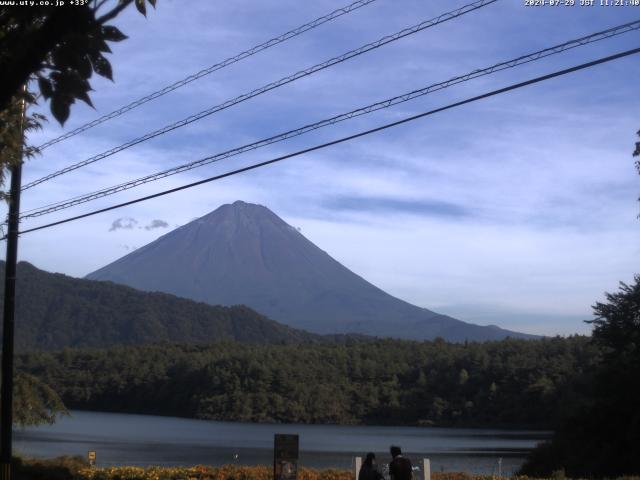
(500,427)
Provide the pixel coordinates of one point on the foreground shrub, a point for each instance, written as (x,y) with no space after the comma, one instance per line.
(61,468)
(76,468)
(202,472)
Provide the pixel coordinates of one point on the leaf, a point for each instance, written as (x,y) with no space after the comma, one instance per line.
(60,109)
(84,96)
(152,3)
(56,76)
(102,66)
(102,45)
(62,56)
(74,86)
(112,34)
(141,7)
(84,67)
(80,90)
(46,88)
(97,43)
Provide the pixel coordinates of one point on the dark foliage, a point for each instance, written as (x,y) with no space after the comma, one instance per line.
(34,402)
(61,468)
(603,437)
(508,383)
(60,46)
(15,124)
(55,311)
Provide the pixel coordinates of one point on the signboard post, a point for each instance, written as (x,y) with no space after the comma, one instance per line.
(91,457)
(427,468)
(358,466)
(285,457)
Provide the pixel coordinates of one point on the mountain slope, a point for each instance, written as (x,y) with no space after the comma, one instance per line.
(245,254)
(55,311)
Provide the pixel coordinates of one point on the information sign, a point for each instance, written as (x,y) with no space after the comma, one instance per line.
(285,457)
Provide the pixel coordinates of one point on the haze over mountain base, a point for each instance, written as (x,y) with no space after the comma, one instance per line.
(245,254)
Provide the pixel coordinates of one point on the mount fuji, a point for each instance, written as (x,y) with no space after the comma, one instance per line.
(243,253)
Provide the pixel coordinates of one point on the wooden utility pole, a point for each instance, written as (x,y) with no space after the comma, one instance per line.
(6,389)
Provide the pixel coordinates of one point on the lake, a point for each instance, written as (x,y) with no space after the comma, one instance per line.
(122,439)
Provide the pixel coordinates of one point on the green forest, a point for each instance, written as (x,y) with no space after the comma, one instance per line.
(506,383)
(586,389)
(57,311)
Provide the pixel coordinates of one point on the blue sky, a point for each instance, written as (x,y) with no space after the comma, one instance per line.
(519,210)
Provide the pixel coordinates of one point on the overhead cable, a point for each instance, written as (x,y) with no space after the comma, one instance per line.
(218,66)
(270,86)
(43,210)
(344,139)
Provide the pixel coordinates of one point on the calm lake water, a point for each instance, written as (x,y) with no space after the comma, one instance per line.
(149,440)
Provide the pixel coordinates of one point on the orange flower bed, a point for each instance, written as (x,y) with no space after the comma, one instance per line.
(233,472)
(201,472)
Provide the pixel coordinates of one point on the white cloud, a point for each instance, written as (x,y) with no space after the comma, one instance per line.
(156,224)
(125,223)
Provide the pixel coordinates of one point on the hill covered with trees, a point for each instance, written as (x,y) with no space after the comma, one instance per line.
(55,311)
(504,383)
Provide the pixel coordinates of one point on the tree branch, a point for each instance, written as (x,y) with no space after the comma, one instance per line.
(114,12)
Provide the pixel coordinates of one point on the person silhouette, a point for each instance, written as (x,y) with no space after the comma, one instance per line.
(369,468)
(400,467)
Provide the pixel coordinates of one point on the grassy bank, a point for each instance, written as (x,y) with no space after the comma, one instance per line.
(76,468)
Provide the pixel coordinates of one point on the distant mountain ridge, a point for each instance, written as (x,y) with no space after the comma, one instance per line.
(54,311)
(245,254)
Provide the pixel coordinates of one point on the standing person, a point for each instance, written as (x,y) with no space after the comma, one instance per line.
(369,469)
(400,468)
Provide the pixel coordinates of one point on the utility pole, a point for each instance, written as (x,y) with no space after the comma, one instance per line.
(6,389)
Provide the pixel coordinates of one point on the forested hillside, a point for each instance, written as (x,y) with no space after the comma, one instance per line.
(56,311)
(505,383)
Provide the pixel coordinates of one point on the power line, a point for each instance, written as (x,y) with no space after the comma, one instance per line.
(333,120)
(346,139)
(218,66)
(361,111)
(271,86)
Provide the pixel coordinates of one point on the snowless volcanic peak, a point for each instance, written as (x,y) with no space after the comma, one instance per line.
(243,253)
